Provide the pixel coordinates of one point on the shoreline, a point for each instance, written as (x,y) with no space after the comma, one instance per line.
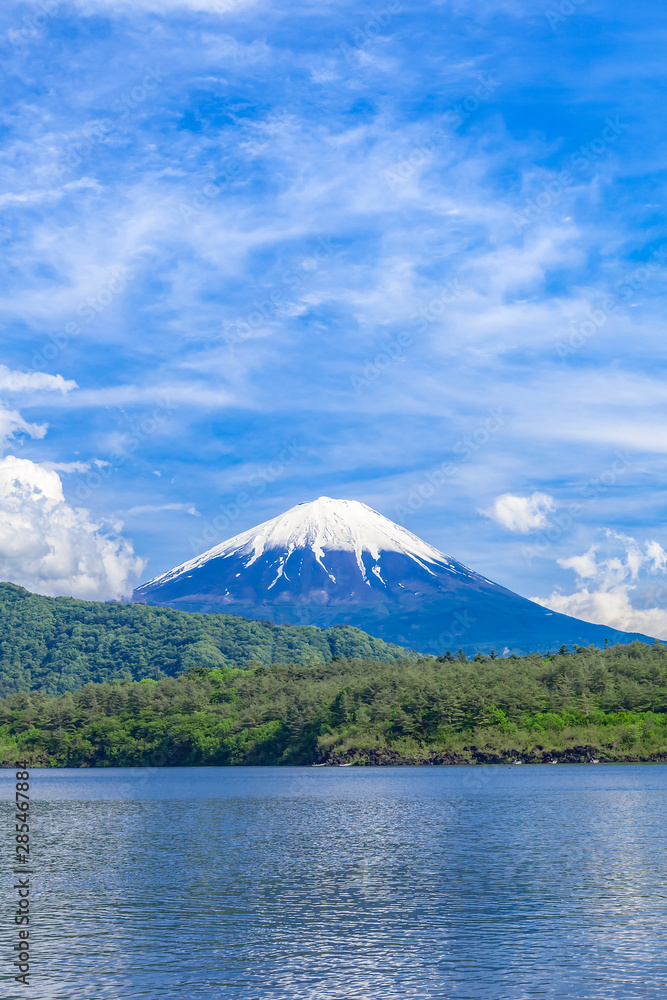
(40,766)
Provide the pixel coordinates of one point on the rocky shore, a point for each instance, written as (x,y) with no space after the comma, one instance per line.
(384,756)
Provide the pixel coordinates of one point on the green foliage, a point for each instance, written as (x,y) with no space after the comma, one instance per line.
(609,703)
(60,644)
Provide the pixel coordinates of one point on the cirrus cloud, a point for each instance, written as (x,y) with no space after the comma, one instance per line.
(150,508)
(115,7)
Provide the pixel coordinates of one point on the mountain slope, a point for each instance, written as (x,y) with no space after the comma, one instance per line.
(59,644)
(330,562)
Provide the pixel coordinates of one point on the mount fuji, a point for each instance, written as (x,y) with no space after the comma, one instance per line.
(338,562)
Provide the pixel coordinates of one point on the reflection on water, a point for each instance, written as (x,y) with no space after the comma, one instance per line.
(494,883)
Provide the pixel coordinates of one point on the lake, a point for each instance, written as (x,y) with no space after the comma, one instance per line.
(500,883)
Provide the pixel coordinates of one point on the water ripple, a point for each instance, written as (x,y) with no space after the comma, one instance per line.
(284,884)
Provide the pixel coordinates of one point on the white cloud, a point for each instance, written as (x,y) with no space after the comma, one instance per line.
(46,545)
(14,381)
(69,467)
(66,467)
(149,508)
(585,566)
(609,607)
(397,248)
(521,514)
(52,548)
(605,585)
(656,557)
(221,7)
(12,423)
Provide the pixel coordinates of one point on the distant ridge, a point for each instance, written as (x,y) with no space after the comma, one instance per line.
(58,644)
(329,562)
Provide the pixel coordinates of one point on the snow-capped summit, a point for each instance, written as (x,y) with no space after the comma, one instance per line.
(329,562)
(321,526)
(345,525)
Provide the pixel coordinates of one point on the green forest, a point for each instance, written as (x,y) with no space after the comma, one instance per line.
(58,644)
(609,705)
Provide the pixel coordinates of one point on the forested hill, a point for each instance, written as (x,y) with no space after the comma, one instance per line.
(607,705)
(58,644)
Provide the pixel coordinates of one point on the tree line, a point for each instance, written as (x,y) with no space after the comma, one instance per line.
(608,704)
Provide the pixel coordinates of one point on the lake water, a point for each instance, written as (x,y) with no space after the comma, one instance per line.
(500,883)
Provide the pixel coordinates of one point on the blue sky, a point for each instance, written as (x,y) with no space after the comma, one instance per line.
(413,255)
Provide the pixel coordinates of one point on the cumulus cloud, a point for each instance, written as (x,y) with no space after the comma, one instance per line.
(52,548)
(521,514)
(617,586)
(45,544)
